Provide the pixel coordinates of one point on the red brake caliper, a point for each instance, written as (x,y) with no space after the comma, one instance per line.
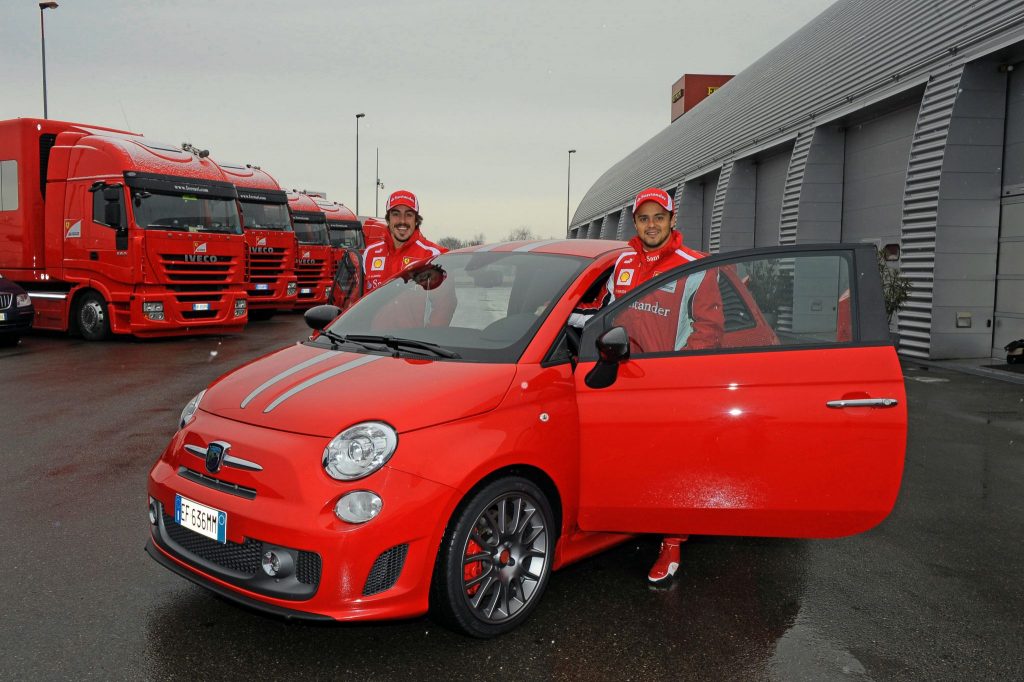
(474,569)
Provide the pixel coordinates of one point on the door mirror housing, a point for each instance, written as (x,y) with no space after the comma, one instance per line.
(112,212)
(320,316)
(612,349)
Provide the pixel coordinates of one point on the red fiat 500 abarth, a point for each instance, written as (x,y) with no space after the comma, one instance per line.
(449,441)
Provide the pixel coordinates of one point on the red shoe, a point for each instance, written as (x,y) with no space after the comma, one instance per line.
(668,561)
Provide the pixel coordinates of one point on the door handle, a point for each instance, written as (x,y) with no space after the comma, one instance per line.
(864,402)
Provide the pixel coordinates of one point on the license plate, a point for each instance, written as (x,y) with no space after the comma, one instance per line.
(262,287)
(3,316)
(200,306)
(305,291)
(213,523)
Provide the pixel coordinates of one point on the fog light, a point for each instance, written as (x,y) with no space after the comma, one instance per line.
(358,506)
(240,306)
(152,511)
(277,563)
(153,310)
(292,288)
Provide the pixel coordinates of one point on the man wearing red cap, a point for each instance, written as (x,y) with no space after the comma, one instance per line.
(686,313)
(403,248)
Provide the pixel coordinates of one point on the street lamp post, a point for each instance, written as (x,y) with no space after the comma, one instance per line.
(568,186)
(358,116)
(380,186)
(42,34)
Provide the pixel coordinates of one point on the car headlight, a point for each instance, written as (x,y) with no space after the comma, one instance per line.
(190,409)
(359,450)
(24,300)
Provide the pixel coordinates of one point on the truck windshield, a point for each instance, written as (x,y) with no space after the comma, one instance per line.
(260,216)
(185,212)
(311,233)
(346,235)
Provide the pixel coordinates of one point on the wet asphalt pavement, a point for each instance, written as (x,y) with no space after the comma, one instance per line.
(935,592)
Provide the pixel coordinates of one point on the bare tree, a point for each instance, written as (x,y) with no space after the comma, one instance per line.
(477,238)
(451,243)
(521,233)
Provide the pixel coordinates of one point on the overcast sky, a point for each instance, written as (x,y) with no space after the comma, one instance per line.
(473,104)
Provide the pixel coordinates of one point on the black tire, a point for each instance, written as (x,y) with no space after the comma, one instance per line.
(495,559)
(92,318)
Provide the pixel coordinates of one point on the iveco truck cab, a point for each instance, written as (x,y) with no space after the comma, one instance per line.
(343,227)
(111,232)
(268,236)
(314,258)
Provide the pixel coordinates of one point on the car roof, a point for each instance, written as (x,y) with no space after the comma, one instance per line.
(584,248)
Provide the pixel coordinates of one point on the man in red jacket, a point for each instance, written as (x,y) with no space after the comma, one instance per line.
(683,314)
(405,247)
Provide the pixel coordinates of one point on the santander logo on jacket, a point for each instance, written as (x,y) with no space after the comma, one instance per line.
(382,261)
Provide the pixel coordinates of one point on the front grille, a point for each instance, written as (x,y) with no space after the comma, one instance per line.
(179,270)
(267,267)
(386,570)
(198,314)
(5,300)
(307,568)
(216,483)
(241,564)
(310,275)
(244,558)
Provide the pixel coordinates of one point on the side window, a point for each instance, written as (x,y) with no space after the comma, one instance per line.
(794,300)
(9,185)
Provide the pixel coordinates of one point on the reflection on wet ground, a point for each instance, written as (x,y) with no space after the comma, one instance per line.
(932,593)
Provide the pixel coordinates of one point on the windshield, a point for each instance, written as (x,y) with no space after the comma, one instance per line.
(485,307)
(311,233)
(185,212)
(346,235)
(261,216)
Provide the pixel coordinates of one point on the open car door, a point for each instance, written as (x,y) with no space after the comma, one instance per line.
(760,394)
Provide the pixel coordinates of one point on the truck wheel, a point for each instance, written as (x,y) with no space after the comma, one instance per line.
(91,315)
(495,559)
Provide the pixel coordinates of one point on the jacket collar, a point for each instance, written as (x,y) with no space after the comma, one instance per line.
(652,258)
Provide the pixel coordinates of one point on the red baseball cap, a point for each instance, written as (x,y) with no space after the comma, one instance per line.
(663,198)
(402,198)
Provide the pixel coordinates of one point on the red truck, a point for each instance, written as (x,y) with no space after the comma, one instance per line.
(269,237)
(314,258)
(343,227)
(111,232)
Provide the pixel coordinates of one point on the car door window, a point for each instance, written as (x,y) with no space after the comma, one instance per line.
(758,301)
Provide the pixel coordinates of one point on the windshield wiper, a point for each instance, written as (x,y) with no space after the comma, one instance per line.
(338,339)
(396,343)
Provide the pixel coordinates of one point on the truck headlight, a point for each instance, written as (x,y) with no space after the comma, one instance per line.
(24,300)
(293,288)
(154,310)
(359,450)
(190,409)
(240,307)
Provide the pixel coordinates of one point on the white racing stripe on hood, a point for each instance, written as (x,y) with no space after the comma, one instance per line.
(536,245)
(324,376)
(284,375)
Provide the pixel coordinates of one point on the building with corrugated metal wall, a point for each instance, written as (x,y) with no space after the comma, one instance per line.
(898,123)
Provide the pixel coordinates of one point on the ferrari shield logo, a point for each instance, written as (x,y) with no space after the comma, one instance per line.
(625,278)
(262,241)
(305,254)
(406,261)
(71,231)
(200,247)
(377,264)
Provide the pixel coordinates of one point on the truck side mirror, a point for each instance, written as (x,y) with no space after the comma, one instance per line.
(111,193)
(612,349)
(112,213)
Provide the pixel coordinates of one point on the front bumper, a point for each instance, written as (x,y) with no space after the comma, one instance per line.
(16,320)
(290,505)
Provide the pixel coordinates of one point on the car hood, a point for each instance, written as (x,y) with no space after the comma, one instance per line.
(319,392)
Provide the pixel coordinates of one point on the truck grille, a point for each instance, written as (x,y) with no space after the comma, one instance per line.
(5,300)
(267,268)
(179,270)
(309,275)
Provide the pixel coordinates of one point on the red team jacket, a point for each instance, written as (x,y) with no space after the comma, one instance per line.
(685,313)
(382,262)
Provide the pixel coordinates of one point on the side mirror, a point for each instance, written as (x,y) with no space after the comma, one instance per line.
(320,316)
(112,193)
(612,349)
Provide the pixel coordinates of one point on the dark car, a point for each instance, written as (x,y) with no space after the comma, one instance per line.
(16,312)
